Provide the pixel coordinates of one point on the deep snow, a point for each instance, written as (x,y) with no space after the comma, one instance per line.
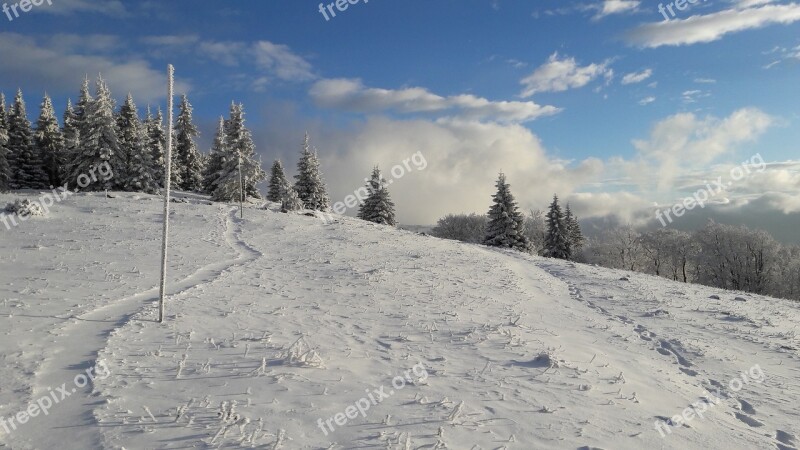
(493,349)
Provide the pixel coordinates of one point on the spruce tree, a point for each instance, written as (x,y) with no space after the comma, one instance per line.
(574,233)
(72,140)
(5,168)
(290,201)
(156,145)
(50,143)
(377,207)
(216,158)
(27,163)
(506,227)
(137,173)
(77,141)
(277,180)
(309,184)
(239,155)
(99,143)
(189,161)
(556,242)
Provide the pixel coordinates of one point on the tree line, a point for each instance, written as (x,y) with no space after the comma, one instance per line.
(718,255)
(94,133)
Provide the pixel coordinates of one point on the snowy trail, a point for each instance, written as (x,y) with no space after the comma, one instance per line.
(71,419)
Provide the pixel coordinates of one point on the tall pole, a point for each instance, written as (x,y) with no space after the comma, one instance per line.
(167,176)
(241,190)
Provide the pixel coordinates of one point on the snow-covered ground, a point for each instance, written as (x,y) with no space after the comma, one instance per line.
(286,331)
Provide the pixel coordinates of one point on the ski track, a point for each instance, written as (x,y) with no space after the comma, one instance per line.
(62,365)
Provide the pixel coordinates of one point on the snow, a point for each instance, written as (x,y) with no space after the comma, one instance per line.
(300,321)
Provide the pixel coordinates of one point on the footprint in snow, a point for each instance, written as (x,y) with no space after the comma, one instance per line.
(748,420)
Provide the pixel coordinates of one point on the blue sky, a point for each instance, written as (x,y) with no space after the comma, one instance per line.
(603,101)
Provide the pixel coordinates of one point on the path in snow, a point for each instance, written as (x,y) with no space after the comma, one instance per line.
(72,419)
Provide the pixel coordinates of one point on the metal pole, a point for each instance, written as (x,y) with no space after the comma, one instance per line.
(167,176)
(241,190)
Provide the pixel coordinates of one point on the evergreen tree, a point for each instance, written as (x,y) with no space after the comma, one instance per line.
(189,161)
(27,162)
(277,180)
(76,140)
(574,233)
(239,155)
(377,207)
(72,140)
(216,158)
(156,145)
(137,173)
(506,227)
(99,144)
(309,185)
(290,201)
(5,168)
(50,143)
(556,242)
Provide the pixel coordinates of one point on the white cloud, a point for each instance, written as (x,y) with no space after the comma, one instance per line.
(352,95)
(616,7)
(711,27)
(560,74)
(637,77)
(26,60)
(281,61)
(647,100)
(63,7)
(683,143)
(705,80)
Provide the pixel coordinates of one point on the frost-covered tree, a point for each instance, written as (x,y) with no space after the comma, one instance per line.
(290,201)
(5,168)
(277,179)
(378,206)
(72,139)
(309,185)
(156,145)
(137,173)
(461,227)
(574,233)
(50,143)
(240,155)
(506,224)
(189,161)
(99,143)
(216,159)
(536,230)
(556,244)
(26,163)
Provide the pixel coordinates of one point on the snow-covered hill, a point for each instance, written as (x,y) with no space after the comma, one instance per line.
(286,331)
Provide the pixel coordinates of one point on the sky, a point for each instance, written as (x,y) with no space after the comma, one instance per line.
(619,108)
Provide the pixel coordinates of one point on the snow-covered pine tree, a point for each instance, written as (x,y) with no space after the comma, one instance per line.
(99,143)
(290,201)
(216,156)
(556,243)
(240,150)
(309,185)
(189,162)
(50,143)
(27,163)
(378,206)
(277,180)
(137,173)
(156,145)
(574,233)
(506,227)
(5,168)
(71,140)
